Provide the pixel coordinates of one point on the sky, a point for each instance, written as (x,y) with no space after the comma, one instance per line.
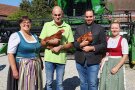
(11,2)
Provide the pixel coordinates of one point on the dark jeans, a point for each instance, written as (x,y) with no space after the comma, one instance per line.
(88,76)
(49,69)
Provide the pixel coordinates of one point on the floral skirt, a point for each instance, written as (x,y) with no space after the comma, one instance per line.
(30,75)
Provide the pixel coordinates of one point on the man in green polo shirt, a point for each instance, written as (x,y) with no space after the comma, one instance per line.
(55,58)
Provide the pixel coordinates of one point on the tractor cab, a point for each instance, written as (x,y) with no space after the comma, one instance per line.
(78,7)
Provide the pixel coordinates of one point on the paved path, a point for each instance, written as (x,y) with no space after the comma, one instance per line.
(71,80)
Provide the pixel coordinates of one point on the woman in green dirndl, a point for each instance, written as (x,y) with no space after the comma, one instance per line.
(112,66)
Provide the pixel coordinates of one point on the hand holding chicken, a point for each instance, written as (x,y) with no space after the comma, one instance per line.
(54,40)
(85,39)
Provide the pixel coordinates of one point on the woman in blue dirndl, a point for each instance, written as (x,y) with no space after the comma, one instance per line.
(25,71)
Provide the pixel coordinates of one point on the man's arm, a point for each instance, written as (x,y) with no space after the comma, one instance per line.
(50,42)
(76,36)
(103,43)
(43,43)
(67,46)
(62,47)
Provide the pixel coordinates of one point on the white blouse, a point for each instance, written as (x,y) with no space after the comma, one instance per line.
(113,42)
(14,40)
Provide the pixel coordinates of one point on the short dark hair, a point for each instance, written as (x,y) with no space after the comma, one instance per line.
(24,18)
(89,10)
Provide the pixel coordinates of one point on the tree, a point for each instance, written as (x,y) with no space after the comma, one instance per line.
(24,9)
(25,5)
(40,9)
(36,9)
(18,14)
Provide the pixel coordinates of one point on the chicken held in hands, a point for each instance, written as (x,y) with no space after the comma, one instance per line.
(85,37)
(54,40)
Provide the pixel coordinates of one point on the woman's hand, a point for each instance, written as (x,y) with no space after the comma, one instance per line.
(114,70)
(15,74)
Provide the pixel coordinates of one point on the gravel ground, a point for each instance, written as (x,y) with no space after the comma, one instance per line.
(71,80)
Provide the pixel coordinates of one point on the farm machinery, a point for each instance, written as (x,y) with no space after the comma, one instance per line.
(74,10)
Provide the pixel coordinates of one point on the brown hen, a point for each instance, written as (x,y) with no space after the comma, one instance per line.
(85,37)
(57,35)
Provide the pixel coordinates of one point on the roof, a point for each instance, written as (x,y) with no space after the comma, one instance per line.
(6,10)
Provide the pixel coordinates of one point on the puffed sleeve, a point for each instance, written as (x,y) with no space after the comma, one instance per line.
(124,45)
(13,42)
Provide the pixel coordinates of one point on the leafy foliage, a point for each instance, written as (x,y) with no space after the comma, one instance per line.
(40,9)
(35,9)
(25,5)
(18,14)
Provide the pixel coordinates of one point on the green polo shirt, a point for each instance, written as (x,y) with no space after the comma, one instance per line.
(49,29)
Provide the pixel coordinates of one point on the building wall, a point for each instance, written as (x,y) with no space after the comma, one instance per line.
(120,6)
(123,4)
